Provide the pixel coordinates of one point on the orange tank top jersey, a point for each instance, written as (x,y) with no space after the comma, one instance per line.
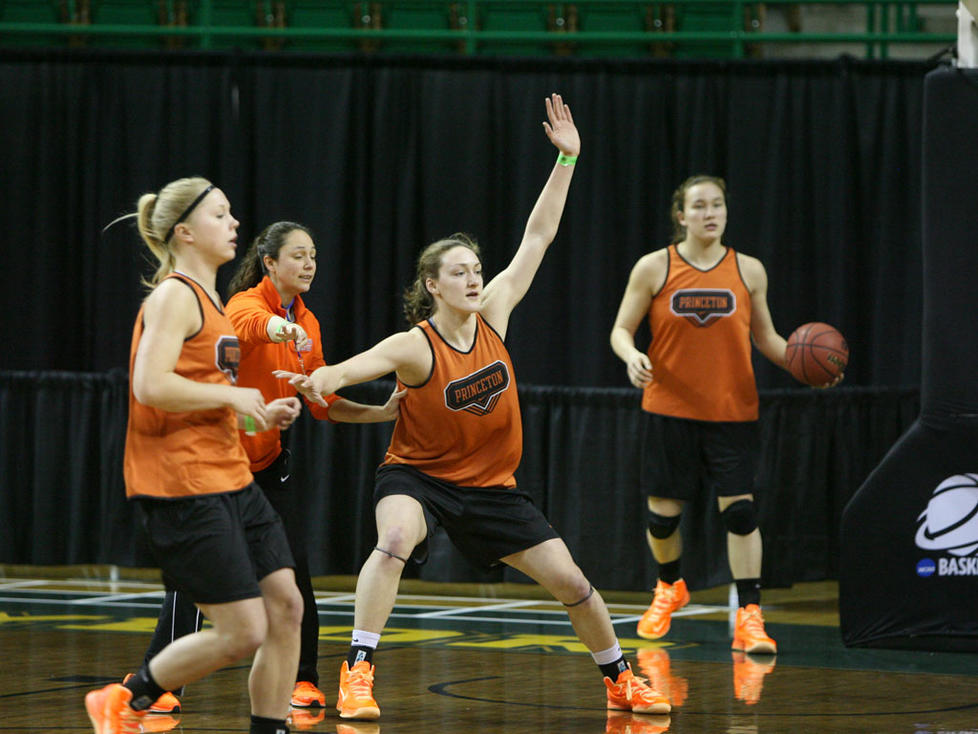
(195,452)
(701,348)
(249,311)
(463,424)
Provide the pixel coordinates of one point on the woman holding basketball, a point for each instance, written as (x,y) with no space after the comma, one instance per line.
(705,303)
(212,531)
(458,442)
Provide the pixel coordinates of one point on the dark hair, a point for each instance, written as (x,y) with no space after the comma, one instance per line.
(679,201)
(269,242)
(419,304)
(157,214)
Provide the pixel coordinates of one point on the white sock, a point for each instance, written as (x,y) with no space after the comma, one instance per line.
(604,657)
(361,638)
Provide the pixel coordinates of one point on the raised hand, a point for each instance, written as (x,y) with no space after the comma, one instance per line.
(560,127)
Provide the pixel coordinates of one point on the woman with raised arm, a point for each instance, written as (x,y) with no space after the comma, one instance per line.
(212,531)
(458,442)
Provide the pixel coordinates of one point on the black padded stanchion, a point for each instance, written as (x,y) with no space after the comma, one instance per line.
(908,574)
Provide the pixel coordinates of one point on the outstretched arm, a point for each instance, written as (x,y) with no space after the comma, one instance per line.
(407,353)
(347,411)
(507,289)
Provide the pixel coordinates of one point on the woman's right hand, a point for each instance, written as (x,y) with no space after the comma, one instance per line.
(249,402)
(639,369)
(293,332)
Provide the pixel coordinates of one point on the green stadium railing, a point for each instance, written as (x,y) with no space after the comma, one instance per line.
(513,27)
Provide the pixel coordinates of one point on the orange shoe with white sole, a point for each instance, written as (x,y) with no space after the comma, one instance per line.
(307,695)
(666,600)
(630,693)
(355,699)
(749,634)
(109,710)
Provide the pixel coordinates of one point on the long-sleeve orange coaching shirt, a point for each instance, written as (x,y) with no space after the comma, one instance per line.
(250,311)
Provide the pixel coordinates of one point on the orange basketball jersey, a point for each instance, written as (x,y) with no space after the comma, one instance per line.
(701,348)
(462,425)
(194,452)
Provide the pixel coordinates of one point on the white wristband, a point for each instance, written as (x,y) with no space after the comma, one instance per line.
(274,329)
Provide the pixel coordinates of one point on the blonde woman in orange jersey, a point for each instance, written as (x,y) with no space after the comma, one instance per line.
(213,533)
(705,304)
(459,437)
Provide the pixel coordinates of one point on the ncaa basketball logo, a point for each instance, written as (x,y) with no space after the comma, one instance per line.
(950,522)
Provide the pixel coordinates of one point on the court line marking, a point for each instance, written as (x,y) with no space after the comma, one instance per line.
(337,604)
(449,612)
(22,584)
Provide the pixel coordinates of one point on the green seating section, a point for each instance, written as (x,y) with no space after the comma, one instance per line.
(499,27)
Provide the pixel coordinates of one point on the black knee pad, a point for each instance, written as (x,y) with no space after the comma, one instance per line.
(662,527)
(740,517)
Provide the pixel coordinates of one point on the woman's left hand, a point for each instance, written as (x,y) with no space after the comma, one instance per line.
(282,412)
(303,385)
(560,128)
(839,378)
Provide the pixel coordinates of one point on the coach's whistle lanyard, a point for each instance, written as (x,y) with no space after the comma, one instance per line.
(298,354)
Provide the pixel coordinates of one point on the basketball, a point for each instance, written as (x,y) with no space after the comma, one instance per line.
(817,353)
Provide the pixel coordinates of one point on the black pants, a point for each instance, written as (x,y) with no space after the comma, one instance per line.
(179,616)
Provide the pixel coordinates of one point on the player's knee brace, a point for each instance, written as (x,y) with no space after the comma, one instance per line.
(661,526)
(740,517)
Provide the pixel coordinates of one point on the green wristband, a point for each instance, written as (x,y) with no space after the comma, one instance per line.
(249,424)
(566,160)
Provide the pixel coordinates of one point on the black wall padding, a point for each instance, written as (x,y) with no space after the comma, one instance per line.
(909,569)
(63,502)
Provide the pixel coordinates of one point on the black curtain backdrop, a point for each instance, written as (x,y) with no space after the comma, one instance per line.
(382,155)
(62,437)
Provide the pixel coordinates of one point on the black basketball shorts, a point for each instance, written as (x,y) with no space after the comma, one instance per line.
(484,523)
(215,547)
(682,458)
